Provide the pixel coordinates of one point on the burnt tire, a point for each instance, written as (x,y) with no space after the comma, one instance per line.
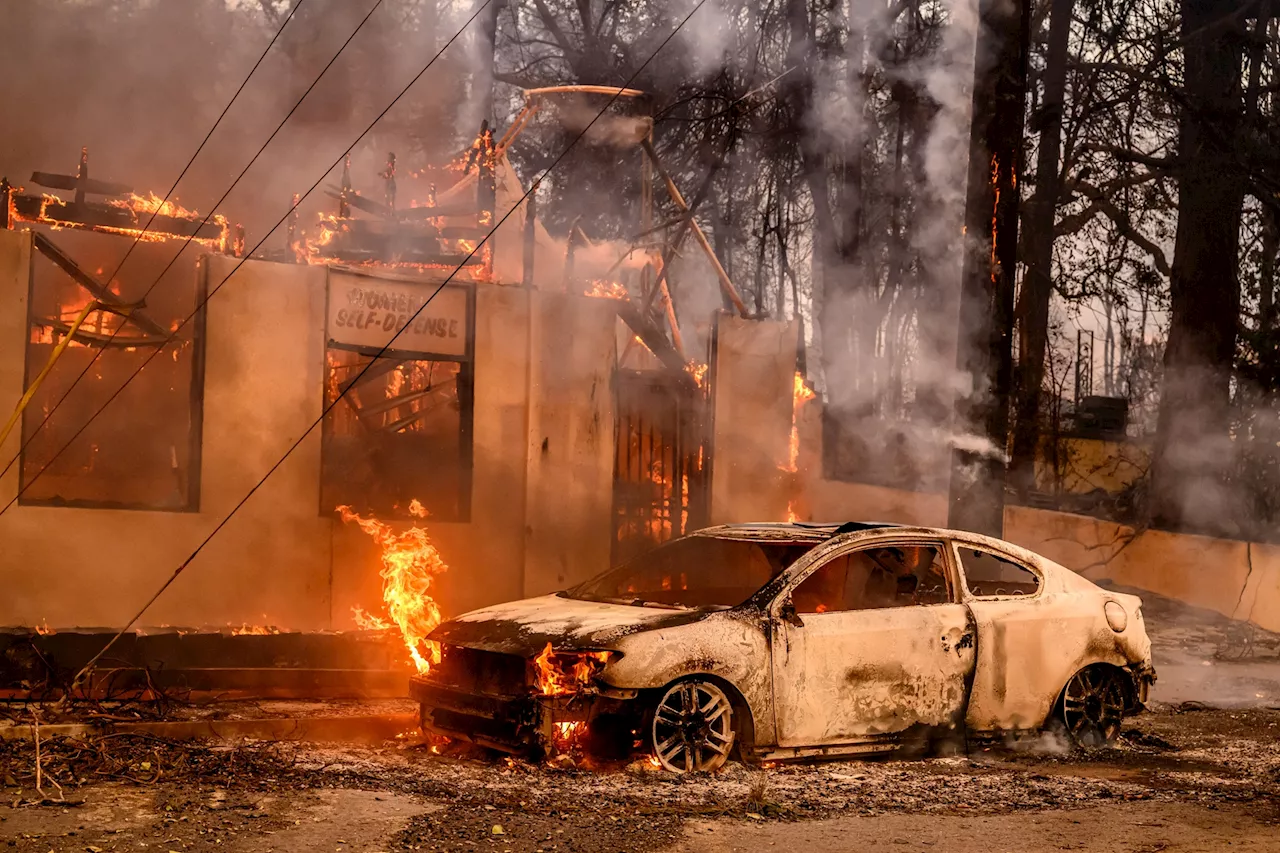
(1091,708)
(691,728)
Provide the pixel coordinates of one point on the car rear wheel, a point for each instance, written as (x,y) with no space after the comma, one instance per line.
(1093,706)
(692,727)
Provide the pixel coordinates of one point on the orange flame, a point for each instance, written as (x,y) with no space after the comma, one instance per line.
(152,203)
(606,289)
(800,395)
(368,621)
(551,678)
(410,562)
(697,371)
(254,630)
(565,736)
(140,208)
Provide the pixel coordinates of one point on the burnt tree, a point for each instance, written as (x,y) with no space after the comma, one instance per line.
(984,339)
(1194,451)
(1038,225)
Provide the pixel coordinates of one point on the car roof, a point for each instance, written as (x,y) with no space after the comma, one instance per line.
(796,531)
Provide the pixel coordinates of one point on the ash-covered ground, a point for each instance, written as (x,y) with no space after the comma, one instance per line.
(1191,779)
(1201,771)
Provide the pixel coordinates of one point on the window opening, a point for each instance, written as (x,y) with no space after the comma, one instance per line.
(875,578)
(401,433)
(142,451)
(988,575)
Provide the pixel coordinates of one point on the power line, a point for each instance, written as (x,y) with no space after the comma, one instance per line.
(160,348)
(533,186)
(187,242)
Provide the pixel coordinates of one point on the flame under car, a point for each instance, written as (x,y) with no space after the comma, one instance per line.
(779,641)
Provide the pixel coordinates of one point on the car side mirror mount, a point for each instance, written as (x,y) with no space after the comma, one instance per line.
(789,615)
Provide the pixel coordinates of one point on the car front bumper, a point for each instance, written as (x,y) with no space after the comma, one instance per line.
(523,724)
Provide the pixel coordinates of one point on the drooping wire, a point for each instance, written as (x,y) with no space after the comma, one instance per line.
(533,186)
(100,350)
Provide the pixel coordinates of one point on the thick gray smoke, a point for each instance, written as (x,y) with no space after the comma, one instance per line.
(140,84)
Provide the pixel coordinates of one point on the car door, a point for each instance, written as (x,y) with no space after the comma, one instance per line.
(868,642)
(1027,638)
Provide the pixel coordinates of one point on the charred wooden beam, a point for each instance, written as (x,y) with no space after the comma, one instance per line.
(291,234)
(100,339)
(389,187)
(656,341)
(100,291)
(530,225)
(395,402)
(69,182)
(81,184)
(109,218)
(672,190)
(377,208)
(381,366)
(344,197)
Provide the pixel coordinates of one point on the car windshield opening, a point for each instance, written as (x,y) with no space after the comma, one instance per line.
(695,572)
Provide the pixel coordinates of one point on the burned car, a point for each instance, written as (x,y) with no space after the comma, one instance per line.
(780,641)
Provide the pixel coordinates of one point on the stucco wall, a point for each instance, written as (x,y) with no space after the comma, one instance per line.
(570,441)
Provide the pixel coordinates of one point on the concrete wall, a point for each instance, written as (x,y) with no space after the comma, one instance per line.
(282,559)
(1091,464)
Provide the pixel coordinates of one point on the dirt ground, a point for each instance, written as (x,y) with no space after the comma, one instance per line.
(1200,771)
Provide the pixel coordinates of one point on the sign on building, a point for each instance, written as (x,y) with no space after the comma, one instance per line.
(419,318)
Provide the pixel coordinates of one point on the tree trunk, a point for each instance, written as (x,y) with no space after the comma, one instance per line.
(1037,282)
(1267,271)
(984,350)
(1193,449)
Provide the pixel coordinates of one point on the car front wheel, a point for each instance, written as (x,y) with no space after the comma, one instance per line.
(692,727)
(1092,706)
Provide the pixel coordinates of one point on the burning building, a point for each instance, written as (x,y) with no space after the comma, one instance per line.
(536,417)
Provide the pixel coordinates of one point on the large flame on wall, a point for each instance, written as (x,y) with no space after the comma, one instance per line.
(410,562)
(800,395)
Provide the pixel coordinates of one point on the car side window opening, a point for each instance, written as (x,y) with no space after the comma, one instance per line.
(875,578)
(989,575)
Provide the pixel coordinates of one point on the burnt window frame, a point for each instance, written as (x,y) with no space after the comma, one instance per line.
(466,382)
(970,595)
(195,451)
(955,588)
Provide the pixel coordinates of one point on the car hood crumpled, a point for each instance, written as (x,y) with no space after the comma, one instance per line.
(525,627)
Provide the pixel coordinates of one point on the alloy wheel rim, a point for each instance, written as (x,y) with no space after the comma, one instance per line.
(1092,707)
(693,727)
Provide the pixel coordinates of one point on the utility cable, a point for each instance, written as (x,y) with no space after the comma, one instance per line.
(533,186)
(185,244)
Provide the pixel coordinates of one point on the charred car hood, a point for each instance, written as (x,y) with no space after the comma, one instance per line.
(525,627)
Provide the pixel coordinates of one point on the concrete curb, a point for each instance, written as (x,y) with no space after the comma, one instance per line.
(363,728)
